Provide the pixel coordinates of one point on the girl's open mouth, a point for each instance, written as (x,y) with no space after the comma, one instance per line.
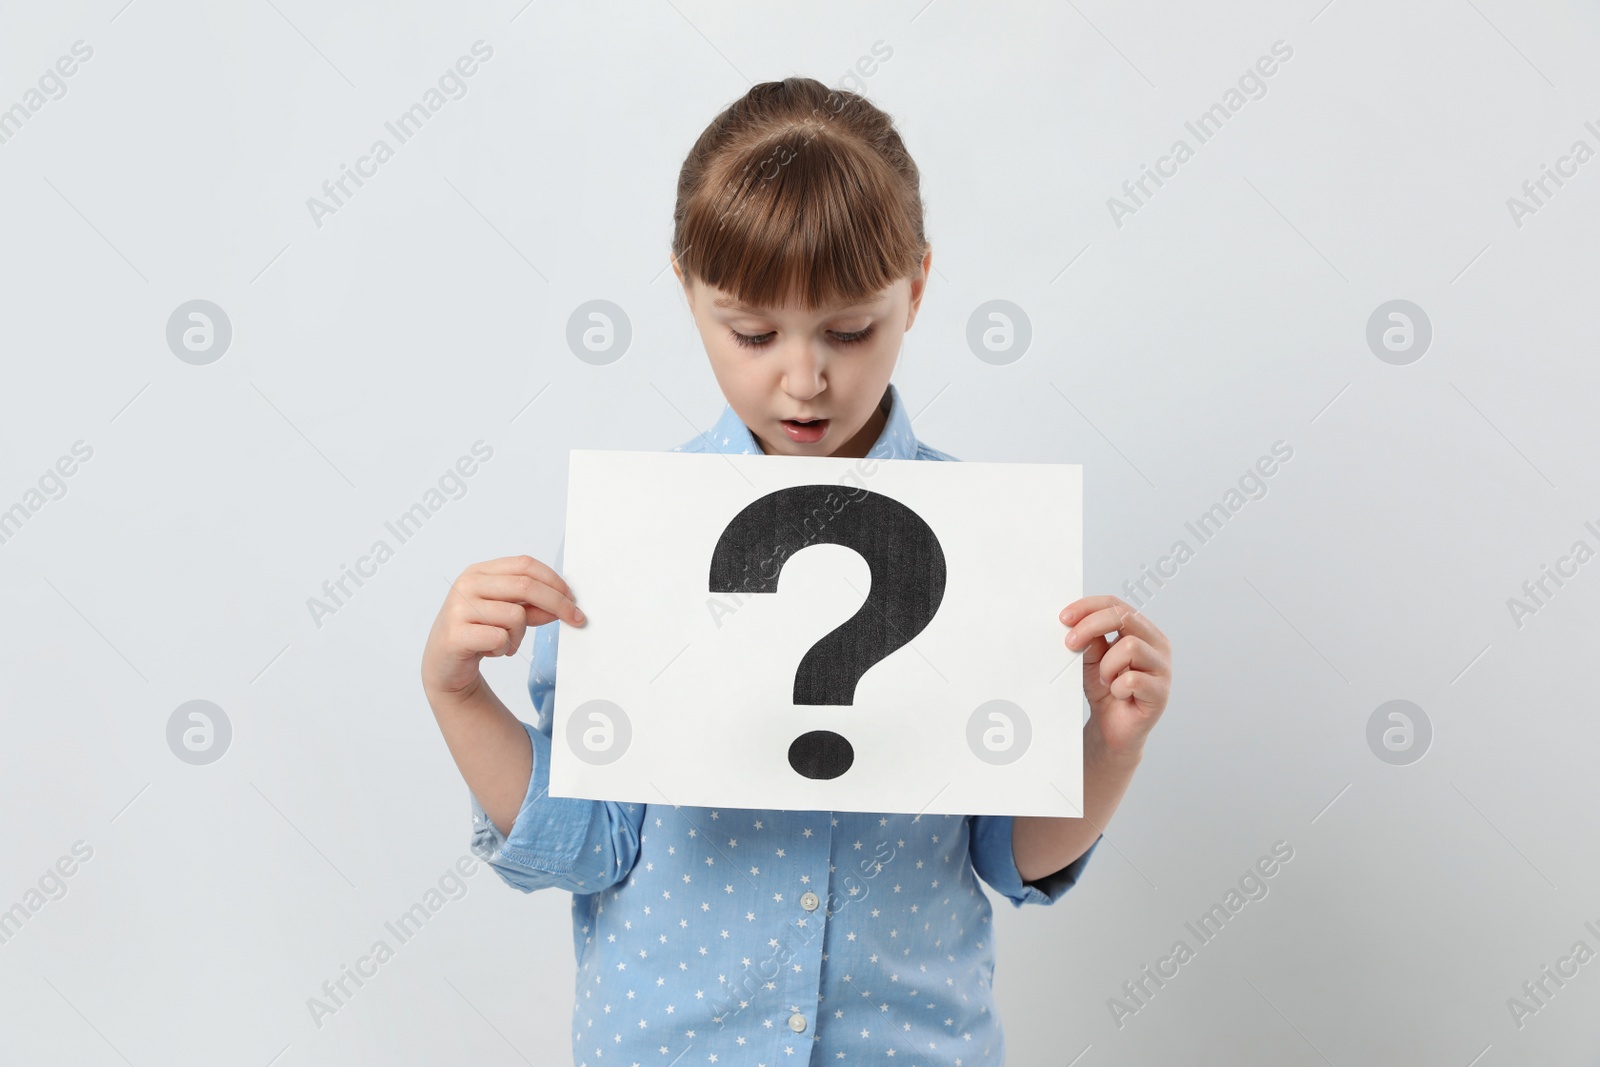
(806,432)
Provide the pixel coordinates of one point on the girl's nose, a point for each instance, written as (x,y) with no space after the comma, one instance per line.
(802,372)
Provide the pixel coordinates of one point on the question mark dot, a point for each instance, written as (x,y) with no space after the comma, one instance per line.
(821,754)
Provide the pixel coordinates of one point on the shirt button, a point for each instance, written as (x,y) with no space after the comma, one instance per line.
(797,1022)
(809,901)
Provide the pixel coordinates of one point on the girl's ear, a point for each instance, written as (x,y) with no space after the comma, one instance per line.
(686,283)
(919,284)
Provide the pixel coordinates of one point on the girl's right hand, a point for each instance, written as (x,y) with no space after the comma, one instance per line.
(486,612)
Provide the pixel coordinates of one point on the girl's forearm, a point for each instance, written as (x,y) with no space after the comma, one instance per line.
(490,747)
(1044,845)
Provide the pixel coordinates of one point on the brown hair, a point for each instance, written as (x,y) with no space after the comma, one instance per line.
(798,190)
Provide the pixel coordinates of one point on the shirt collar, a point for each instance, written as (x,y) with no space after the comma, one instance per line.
(897,441)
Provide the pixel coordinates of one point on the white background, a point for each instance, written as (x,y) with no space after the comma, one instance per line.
(709,695)
(1168,355)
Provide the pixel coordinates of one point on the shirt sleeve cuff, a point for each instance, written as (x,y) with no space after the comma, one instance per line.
(548,836)
(995,859)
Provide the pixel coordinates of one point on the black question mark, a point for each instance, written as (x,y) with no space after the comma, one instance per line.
(908,574)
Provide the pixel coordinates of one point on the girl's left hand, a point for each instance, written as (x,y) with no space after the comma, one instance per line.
(1126,680)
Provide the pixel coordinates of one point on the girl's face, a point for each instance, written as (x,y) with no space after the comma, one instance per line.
(778,365)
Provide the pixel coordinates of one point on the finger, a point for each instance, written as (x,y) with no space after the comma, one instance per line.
(1137,622)
(1102,614)
(1093,625)
(529,566)
(1131,653)
(1109,606)
(485,640)
(1147,690)
(1082,606)
(522,589)
(512,618)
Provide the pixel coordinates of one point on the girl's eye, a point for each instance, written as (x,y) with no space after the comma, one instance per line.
(761,340)
(758,341)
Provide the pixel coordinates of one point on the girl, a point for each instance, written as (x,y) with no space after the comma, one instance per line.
(754,937)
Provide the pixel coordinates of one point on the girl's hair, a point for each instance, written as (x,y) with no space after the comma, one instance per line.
(798,191)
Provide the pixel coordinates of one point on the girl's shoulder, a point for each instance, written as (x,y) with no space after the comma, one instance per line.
(929,452)
(701,443)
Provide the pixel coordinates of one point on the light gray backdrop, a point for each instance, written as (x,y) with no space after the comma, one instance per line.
(1173,341)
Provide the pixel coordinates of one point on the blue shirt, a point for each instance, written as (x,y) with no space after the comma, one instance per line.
(761,937)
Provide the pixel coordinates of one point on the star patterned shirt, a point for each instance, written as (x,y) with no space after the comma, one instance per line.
(741,937)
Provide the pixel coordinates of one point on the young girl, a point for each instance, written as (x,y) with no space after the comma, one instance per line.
(754,937)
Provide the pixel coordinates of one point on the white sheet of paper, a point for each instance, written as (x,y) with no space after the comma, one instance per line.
(673,693)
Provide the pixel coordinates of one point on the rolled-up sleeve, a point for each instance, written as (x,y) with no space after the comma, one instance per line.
(994,859)
(569,843)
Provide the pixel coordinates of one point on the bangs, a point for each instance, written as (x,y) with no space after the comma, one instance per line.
(802,214)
